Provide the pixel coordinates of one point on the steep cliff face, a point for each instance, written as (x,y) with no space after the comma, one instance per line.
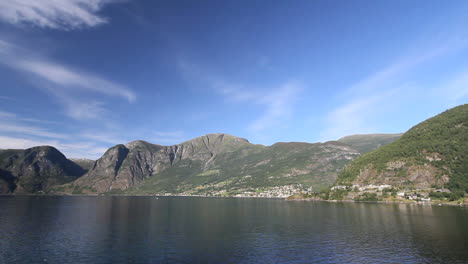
(213,162)
(125,166)
(432,153)
(35,169)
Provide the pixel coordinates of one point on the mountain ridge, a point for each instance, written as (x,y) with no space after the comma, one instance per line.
(35,169)
(196,166)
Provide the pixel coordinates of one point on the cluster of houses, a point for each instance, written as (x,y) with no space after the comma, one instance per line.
(416,195)
(276,192)
(362,187)
(268,192)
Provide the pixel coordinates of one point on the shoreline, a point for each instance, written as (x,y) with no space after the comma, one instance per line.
(380,202)
(243,197)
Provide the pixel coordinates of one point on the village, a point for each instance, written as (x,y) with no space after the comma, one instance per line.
(391,193)
(264,192)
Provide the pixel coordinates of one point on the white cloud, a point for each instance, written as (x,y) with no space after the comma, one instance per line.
(353,117)
(61,81)
(384,91)
(12,123)
(4,114)
(73,79)
(278,102)
(55,14)
(29,130)
(106,138)
(70,150)
(80,110)
(279,106)
(168,137)
(455,90)
(12,116)
(21,143)
(16,132)
(6,98)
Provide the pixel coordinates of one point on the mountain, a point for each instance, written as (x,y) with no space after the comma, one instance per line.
(35,169)
(368,142)
(86,164)
(216,164)
(432,153)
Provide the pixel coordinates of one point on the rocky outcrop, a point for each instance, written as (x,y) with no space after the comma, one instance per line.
(35,170)
(125,166)
(214,159)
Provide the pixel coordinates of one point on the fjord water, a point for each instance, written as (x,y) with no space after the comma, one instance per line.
(39,229)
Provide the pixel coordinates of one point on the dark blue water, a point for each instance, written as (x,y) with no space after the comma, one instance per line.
(226,230)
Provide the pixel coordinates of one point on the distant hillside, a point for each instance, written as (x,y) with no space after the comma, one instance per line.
(215,164)
(86,164)
(368,142)
(35,169)
(432,153)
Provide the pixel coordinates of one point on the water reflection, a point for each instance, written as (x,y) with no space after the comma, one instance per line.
(215,230)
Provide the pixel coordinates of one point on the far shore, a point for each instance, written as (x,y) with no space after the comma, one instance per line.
(432,203)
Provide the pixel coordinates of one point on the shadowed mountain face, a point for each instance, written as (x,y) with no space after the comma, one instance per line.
(35,169)
(86,164)
(368,142)
(433,152)
(212,163)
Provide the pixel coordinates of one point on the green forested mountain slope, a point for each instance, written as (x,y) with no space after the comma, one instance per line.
(432,153)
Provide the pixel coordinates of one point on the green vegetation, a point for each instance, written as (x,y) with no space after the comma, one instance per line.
(441,141)
(250,167)
(209,173)
(452,196)
(338,194)
(367,197)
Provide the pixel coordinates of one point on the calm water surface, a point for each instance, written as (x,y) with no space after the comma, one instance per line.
(226,230)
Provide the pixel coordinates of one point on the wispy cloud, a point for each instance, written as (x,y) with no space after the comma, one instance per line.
(29,130)
(7,142)
(6,98)
(12,123)
(72,79)
(64,77)
(279,105)
(17,132)
(103,137)
(55,14)
(71,150)
(4,114)
(12,116)
(168,137)
(453,90)
(61,80)
(278,101)
(353,117)
(380,93)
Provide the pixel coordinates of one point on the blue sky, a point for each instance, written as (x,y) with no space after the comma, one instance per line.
(86,75)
